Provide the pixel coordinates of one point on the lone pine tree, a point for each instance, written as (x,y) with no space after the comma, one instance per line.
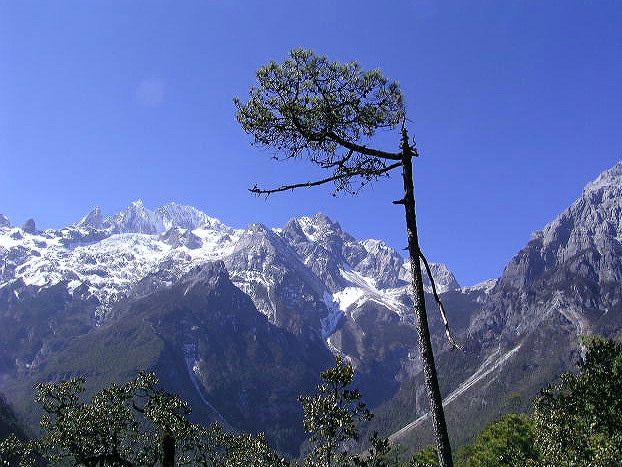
(310,107)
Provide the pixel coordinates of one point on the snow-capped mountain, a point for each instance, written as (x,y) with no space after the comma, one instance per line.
(315,286)
(111,256)
(232,317)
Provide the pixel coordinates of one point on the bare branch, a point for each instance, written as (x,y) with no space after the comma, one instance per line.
(440,304)
(349,174)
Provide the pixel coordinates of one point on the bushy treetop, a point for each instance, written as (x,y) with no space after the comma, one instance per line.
(310,106)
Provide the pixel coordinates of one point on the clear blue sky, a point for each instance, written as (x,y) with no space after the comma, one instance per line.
(515,104)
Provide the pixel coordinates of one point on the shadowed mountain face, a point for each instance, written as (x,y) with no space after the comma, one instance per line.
(8,421)
(239,322)
(564,283)
(208,342)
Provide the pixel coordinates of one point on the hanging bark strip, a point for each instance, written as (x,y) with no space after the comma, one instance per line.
(439,302)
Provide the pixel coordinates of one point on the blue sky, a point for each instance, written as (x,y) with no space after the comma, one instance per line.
(515,105)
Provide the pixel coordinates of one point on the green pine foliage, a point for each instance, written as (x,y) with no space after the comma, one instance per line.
(427,457)
(128,425)
(579,421)
(215,447)
(310,106)
(506,442)
(333,416)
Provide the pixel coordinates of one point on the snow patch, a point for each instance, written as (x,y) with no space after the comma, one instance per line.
(363,289)
(485,286)
(346,297)
(335,313)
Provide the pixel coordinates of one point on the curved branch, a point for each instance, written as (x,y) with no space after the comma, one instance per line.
(441,308)
(319,137)
(350,174)
(341,163)
(364,149)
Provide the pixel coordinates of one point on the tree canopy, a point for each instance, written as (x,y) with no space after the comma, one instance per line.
(333,416)
(506,442)
(131,424)
(579,421)
(326,111)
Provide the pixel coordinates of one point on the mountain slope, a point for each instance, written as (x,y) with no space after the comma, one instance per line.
(564,283)
(207,342)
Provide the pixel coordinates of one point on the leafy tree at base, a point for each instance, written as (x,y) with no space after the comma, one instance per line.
(507,442)
(131,424)
(427,457)
(333,417)
(579,421)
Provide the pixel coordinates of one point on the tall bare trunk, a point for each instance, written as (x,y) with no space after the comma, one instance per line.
(168,450)
(423,331)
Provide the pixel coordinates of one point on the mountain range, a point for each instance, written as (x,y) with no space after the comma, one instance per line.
(241,321)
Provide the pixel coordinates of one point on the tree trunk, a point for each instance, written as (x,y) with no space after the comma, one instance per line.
(425,344)
(168,450)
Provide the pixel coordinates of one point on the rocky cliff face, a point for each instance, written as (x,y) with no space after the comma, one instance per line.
(572,267)
(266,267)
(525,330)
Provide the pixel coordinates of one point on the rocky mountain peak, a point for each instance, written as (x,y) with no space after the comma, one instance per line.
(258,247)
(93,219)
(321,229)
(611,178)
(4,221)
(443,277)
(594,218)
(186,217)
(579,255)
(136,218)
(320,233)
(29,226)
